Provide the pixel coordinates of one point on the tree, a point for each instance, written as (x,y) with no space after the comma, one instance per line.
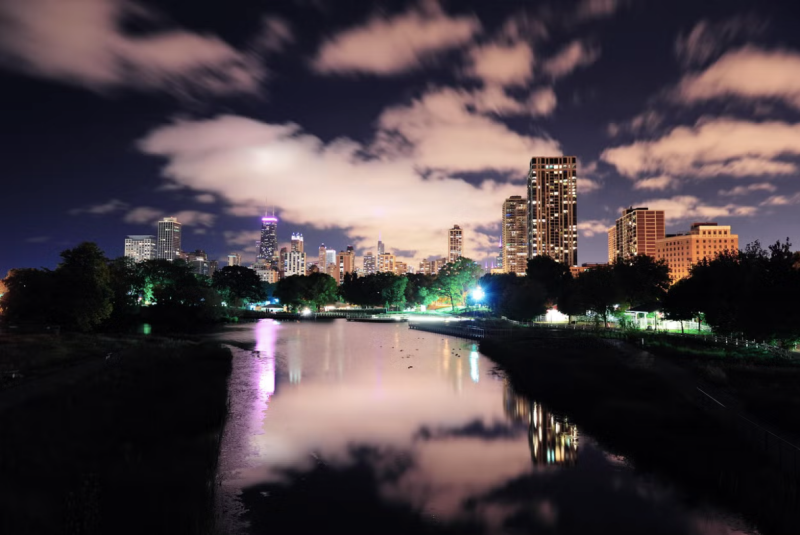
(598,291)
(313,291)
(549,274)
(494,288)
(523,300)
(419,289)
(127,284)
(456,278)
(571,302)
(681,302)
(29,296)
(239,285)
(83,287)
(642,280)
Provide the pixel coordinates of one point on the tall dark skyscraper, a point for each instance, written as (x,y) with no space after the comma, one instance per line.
(268,245)
(553,208)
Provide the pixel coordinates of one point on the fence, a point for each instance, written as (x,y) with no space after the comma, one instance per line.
(471,332)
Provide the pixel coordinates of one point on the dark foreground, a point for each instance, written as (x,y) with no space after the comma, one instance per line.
(130,446)
(636,409)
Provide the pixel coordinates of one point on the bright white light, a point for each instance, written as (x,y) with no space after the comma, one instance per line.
(478,294)
(306,311)
(554,316)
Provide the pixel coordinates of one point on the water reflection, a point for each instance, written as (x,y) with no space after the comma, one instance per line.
(379,429)
(552,438)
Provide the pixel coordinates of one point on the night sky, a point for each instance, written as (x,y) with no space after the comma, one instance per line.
(398,119)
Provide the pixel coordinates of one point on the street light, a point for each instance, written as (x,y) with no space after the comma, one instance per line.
(478,294)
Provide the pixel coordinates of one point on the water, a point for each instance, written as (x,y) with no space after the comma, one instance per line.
(345,427)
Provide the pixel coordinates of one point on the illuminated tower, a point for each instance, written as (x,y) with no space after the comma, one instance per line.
(140,248)
(169,239)
(268,245)
(553,208)
(455,244)
(515,235)
(636,232)
(369,263)
(297,242)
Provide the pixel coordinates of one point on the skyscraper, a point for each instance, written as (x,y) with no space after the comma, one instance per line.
(636,232)
(297,242)
(235,259)
(140,248)
(346,261)
(369,263)
(322,262)
(380,247)
(553,208)
(295,263)
(515,235)
(169,239)
(704,240)
(268,245)
(455,244)
(386,263)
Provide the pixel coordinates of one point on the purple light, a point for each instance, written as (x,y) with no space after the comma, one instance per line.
(269,219)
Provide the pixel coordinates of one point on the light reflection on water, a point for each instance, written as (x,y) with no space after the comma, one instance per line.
(438,431)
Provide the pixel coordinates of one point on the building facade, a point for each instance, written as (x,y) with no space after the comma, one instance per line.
(140,247)
(198,263)
(234,259)
(515,235)
(455,244)
(322,261)
(265,271)
(636,232)
(169,239)
(369,263)
(704,240)
(386,263)
(553,208)
(400,268)
(268,244)
(295,263)
(612,244)
(297,242)
(346,263)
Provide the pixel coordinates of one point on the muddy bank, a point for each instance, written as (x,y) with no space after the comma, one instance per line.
(651,416)
(131,447)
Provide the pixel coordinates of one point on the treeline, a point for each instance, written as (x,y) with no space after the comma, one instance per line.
(751,293)
(88,291)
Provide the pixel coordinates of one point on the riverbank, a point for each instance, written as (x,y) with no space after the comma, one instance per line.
(129,446)
(646,415)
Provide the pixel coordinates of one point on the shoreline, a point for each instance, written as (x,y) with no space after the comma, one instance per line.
(643,414)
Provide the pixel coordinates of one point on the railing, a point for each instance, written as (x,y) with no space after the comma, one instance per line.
(471,332)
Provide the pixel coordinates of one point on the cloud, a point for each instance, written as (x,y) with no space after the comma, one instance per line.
(494,100)
(393,45)
(747,73)
(109,207)
(593,227)
(596,9)
(644,123)
(657,183)
(205,198)
(38,239)
(502,64)
(782,200)
(575,54)
(194,218)
(707,40)
(587,185)
(276,34)
(711,148)
(738,191)
(82,42)
(234,157)
(684,207)
(439,132)
(143,215)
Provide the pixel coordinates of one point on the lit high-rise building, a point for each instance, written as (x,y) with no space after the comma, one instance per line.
(455,244)
(268,245)
(140,248)
(346,262)
(297,242)
(282,259)
(295,263)
(169,239)
(386,263)
(322,261)
(553,208)
(515,235)
(636,232)
(369,263)
(198,262)
(400,268)
(234,259)
(425,267)
(704,240)
(381,247)
(612,244)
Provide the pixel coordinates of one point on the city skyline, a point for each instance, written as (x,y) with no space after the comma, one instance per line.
(349,150)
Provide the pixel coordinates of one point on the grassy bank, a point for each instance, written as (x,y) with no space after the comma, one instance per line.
(129,448)
(650,418)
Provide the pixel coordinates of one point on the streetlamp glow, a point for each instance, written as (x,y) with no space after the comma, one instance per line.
(478,294)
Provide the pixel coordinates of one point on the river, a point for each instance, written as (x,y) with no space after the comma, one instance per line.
(345,427)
